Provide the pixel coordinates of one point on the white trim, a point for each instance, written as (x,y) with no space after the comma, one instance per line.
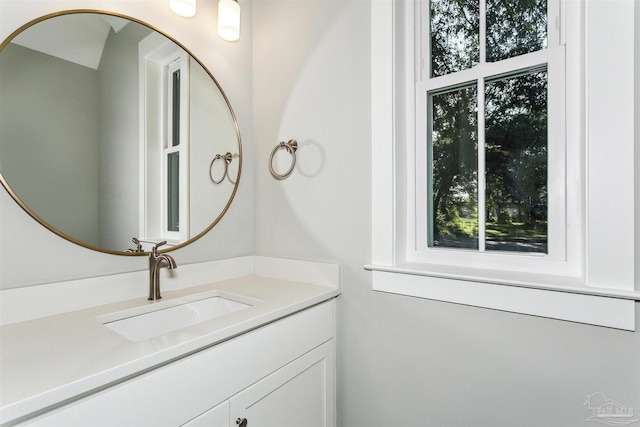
(382,113)
(540,282)
(481,154)
(610,143)
(583,308)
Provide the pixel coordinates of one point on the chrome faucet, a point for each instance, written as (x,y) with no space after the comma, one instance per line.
(155,260)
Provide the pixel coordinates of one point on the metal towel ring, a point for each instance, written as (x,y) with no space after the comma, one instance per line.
(226,160)
(291,146)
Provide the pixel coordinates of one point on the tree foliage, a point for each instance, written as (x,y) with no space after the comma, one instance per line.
(455,35)
(515,127)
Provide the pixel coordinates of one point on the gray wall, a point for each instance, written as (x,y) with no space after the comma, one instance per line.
(49,118)
(401,361)
(119,133)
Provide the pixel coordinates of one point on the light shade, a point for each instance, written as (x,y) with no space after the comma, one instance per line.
(229,20)
(186,8)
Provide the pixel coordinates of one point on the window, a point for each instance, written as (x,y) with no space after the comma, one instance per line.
(493,140)
(485,150)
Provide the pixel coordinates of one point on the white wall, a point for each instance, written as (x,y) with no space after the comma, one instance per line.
(30,254)
(401,361)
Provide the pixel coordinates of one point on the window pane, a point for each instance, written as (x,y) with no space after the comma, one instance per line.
(454,169)
(454,35)
(175,109)
(516,163)
(173,191)
(515,27)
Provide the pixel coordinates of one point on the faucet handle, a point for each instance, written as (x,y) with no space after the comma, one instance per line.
(155,248)
(136,242)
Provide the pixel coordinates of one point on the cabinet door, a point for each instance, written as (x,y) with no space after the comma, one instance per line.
(214,417)
(299,394)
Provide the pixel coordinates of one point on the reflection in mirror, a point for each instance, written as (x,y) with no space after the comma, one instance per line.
(108,132)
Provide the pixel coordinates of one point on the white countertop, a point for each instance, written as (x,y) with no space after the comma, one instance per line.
(46,361)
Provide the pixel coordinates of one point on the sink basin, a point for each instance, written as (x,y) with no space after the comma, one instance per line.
(155,319)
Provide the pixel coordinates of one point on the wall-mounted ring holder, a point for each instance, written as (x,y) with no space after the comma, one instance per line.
(291,146)
(230,171)
(226,160)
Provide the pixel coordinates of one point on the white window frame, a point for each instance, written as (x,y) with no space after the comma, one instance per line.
(417,231)
(592,280)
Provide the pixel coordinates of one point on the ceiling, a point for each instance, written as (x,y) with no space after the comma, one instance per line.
(81,42)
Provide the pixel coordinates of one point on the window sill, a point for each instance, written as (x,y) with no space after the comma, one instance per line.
(545,296)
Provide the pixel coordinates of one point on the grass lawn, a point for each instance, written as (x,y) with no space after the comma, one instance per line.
(514,230)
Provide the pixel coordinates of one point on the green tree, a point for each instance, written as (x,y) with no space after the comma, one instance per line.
(515,124)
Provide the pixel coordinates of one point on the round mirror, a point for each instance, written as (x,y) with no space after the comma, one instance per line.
(112,133)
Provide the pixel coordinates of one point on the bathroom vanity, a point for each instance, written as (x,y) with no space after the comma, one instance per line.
(268,363)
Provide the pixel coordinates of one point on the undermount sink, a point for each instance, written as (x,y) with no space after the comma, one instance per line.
(155,319)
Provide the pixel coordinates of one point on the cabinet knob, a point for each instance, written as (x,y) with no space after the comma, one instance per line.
(242,422)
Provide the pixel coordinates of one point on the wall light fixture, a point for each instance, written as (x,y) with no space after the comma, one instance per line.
(229,20)
(186,8)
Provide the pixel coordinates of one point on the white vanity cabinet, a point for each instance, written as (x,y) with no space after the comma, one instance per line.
(295,395)
(219,416)
(280,374)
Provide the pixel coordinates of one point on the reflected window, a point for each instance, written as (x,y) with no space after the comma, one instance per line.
(165,91)
(173,147)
